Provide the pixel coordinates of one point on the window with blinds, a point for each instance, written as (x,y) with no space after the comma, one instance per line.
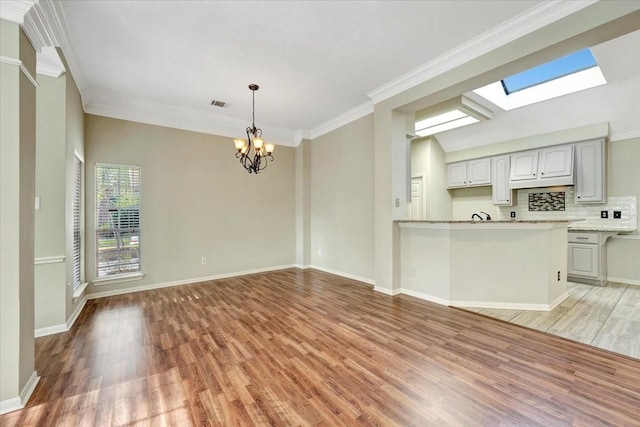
(117,219)
(77,222)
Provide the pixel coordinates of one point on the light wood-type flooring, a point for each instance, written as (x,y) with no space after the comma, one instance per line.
(607,317)
(302,347)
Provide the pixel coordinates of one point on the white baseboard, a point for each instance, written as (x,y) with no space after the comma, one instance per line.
(623,280)
(184,282)
(387,291)
(343,274)
(50,330)
(20,401)
(74,316)
(425,297)
(483,304)
(63,327)
(303,267)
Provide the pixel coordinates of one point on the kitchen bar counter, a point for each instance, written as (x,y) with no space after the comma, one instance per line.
(491,264)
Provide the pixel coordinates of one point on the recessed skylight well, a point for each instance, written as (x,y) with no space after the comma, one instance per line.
(457,112)
(568,74)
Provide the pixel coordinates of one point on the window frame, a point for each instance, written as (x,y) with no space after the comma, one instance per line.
(77,259)
(119,277)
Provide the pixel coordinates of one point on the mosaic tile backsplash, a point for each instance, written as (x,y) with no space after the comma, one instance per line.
(546,201)
(627,205)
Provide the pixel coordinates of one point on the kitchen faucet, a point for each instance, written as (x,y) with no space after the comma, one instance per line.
(476,215)
(488,218)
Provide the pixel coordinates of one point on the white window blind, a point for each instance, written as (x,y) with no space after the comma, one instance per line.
(77,222)
(117,219)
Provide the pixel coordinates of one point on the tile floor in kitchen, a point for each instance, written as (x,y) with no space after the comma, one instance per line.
(607,317)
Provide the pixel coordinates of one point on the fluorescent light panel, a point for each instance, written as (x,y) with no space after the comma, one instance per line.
(464,121)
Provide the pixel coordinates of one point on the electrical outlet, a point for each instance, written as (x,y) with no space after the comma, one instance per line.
(397,203)
(617,214)
(203,260)
(412,271)
(558,276)
(319,252)
(604,214)
(513,214)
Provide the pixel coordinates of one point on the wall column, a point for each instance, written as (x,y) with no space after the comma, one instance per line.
(303,204)
(17,194)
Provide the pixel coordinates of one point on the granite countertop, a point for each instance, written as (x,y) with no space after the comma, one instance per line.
(604,230)
(466,221)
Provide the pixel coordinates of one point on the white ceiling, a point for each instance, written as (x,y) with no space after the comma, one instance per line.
(162,62)
(313,60)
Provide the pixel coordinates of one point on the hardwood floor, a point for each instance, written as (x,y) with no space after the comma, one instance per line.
(301,347)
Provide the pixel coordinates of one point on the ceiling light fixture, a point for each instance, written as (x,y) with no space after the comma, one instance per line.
(457,112)
(253,152)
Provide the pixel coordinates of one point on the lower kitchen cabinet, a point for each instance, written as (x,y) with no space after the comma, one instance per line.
(587,257)
(583,259)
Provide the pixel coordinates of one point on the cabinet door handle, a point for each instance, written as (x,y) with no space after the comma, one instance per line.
(534,174)
(578,197)
(582,238)
(541,173)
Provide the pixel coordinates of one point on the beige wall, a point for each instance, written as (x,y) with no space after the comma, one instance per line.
(624,180)
(50,278)
(17,192)
(427,158)
(342,199)
(197,201)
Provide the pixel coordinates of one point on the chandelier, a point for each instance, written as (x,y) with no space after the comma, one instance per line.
(253,152)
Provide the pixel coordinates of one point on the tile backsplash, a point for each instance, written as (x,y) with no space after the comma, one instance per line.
(628,206)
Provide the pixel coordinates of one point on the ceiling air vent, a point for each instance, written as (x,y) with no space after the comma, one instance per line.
(220,104)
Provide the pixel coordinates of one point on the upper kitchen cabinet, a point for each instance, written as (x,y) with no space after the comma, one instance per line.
(469,174)
(542,168)
(590,172)
(501,193)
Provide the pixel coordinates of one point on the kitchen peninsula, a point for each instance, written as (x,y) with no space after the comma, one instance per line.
(492,264)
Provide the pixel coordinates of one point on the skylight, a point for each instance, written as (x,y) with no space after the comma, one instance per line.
(552,70)
(562,76)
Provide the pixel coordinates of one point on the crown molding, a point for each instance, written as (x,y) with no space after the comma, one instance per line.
(15,10)
(521,25)
(624,135)
(341,120)
(119,106)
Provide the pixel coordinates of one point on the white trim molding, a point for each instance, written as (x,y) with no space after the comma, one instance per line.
(50,260)
(15,10)
(484,304)
(194,280)
(624,135)
(19,64)
(523,24)
(120,278)
(345,275)
(63,327)
(352,115)
(50,330)
(387,291)
(20,401)
(626,281)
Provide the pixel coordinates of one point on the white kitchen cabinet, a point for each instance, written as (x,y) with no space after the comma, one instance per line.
(524,165)
(587,256)
(500,191)
(457,175)
(469,174)
(479,172)
(542,168)
(555,162)
(590,172)
(583,260)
